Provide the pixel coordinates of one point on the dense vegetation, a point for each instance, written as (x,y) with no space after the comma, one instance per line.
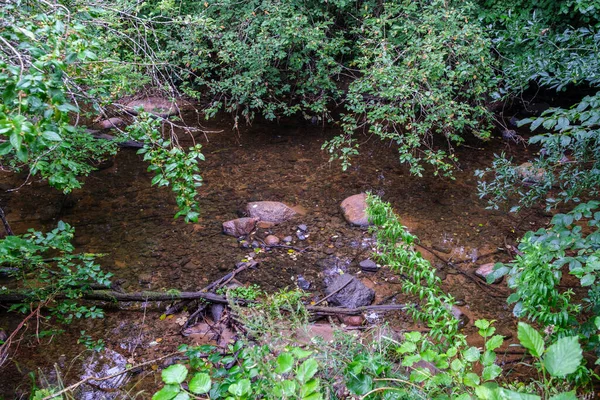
(423,75)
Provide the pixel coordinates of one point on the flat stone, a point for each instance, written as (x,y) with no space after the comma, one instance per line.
(354,209)
(303,283)
(484,270)
(239,227)
(270,211)
(288,239)
(158,106)
(303,227)
(349,291)
(368,265)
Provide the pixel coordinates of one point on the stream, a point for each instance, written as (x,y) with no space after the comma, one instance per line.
(118,212)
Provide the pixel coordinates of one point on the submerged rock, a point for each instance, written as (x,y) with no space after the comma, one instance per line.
(531,175)
(271,240)
(303,283)
(270,211)
(103,364)
(352,292)
(355,210)
(239,227)
(111,123)
(158,106)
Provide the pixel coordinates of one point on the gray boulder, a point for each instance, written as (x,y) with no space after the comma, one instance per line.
(239,227)
(353,293)
(355,210)
(270,211)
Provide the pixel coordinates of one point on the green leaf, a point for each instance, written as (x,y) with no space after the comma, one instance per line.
(288,387)
(240,388)
(491,372)
(359,384)
(495,342)
(530,339)
(285,363)
(200,383)
(307,370)
(563,357)
(52,136)
(471,379)
(175,374)
(300,353)
(182,396)
(309,388)
(167,393)
(471,354)
(588,280)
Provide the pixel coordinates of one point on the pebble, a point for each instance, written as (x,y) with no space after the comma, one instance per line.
(368,265)
(255,244)
(271,240)
(3,336)
(301,235)
(303,283)
(288,239)
(303,228)
(352,320)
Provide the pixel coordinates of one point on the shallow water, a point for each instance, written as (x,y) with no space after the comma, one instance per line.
(117,212)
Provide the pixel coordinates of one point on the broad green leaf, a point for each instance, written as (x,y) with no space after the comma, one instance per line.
(530,339)
(359,384)
(471,379)
(182,396)
(200,383)
(288,387)
(563,357)
(309,388)
(240,388)
(491,372)
(471,354)
(495,342)
(285,363)
(167,393)
(301,353)
(176,374)
(306,370)
(52,136)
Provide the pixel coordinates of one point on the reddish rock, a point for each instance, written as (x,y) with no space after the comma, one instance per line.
(531,175)
(239,227)
(352,320)
(270,211)
(355,210)
(271,240)
(265,224)
(110,123)
(158,106)
(484,270)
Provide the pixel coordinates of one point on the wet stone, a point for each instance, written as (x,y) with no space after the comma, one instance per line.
(239,227)
(486,269)
(352,320)
(303,283)
(270,211)
(368,265)
(154,105)
(110,123)
(354,209)
(349,292)
(288,239)
(103,364)
(271,240)
(303,227)
(301,236)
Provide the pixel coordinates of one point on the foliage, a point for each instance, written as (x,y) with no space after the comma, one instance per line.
(395,249)
(91,344)
(572,241)
(247,372)
(45,51)
(561,358)
(423,71)
(45,266)
(250,293)
(568,166)
(170,164)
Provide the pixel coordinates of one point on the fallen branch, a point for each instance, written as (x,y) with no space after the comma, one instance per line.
(354,311)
